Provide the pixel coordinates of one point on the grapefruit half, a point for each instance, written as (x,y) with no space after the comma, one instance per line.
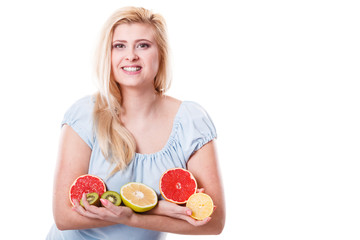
(86,184)
(138,196)
(177,185)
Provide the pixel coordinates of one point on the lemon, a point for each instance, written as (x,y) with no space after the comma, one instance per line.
(201,206)
(138,196)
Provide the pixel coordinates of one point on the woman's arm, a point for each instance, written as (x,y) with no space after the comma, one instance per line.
(73,161)
(203,164)
(171,218)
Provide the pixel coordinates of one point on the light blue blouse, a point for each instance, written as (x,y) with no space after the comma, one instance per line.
(192,128)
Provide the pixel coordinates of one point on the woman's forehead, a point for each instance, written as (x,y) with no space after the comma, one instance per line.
(133,31)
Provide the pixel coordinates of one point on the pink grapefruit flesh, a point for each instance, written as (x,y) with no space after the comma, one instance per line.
(177,185)
(86,184)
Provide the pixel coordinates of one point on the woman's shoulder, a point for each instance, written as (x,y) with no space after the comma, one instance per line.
(193,110)
(184,107)
(193,128)
(170,104)
(80,117)
(82,106)
(191,115)
(85,101)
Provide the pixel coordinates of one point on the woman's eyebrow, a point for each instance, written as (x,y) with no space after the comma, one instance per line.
(143,39)
(123,41)
(137,40)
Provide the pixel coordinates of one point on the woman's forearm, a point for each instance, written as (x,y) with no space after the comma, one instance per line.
(157,220)
(173,225)
(70,220)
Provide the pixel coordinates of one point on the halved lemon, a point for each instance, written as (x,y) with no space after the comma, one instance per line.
(201,206)
(138,196)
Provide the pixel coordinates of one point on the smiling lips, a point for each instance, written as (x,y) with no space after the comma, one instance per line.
(131,69)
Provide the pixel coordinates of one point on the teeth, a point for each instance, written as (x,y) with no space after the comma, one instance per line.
(131,69)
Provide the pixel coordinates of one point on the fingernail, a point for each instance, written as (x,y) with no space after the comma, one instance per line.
(104,201)
(188,212)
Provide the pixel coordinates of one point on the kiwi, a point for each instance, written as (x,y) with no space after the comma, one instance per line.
(92,198)
(113,197)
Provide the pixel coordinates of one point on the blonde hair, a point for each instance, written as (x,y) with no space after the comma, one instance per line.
(116,142)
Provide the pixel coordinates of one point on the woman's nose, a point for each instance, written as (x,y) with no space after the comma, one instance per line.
(131,56)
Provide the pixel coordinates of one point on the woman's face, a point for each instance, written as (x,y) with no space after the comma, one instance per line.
(134,55)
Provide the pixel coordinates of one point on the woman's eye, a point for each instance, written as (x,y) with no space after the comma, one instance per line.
(143,45)
(118,45)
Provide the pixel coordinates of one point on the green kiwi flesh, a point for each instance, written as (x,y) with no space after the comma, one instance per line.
(113,197)
(92,199)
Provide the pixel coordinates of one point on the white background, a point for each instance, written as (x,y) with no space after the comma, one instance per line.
(280,80)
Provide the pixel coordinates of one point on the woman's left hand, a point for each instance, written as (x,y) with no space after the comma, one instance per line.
(110,212)
(173,210)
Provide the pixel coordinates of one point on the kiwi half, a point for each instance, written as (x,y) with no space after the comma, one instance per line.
(92,199)
(113,197)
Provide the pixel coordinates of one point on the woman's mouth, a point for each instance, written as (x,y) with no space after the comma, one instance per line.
(131,69)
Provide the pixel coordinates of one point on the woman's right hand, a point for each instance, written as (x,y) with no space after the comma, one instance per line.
(109,213)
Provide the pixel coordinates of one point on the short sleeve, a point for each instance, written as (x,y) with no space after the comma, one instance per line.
(79,117)
(195,128)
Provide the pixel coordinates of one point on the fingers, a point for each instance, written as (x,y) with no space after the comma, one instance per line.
(87,206)
(111,207)
(185,214)
(79,209)
(197,223)
(200,190)
(180,212)
(90,210)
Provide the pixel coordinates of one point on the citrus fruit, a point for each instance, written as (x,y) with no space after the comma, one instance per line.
(86,184)
(201,206)
(177,185)
(138,196)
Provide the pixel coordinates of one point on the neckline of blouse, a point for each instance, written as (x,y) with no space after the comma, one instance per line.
(170,138)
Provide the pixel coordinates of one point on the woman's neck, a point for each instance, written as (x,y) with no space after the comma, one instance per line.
(139,103)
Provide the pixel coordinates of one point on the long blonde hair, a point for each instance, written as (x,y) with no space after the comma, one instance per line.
(116,142)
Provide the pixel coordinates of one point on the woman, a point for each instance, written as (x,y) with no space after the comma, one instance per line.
(131,131)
